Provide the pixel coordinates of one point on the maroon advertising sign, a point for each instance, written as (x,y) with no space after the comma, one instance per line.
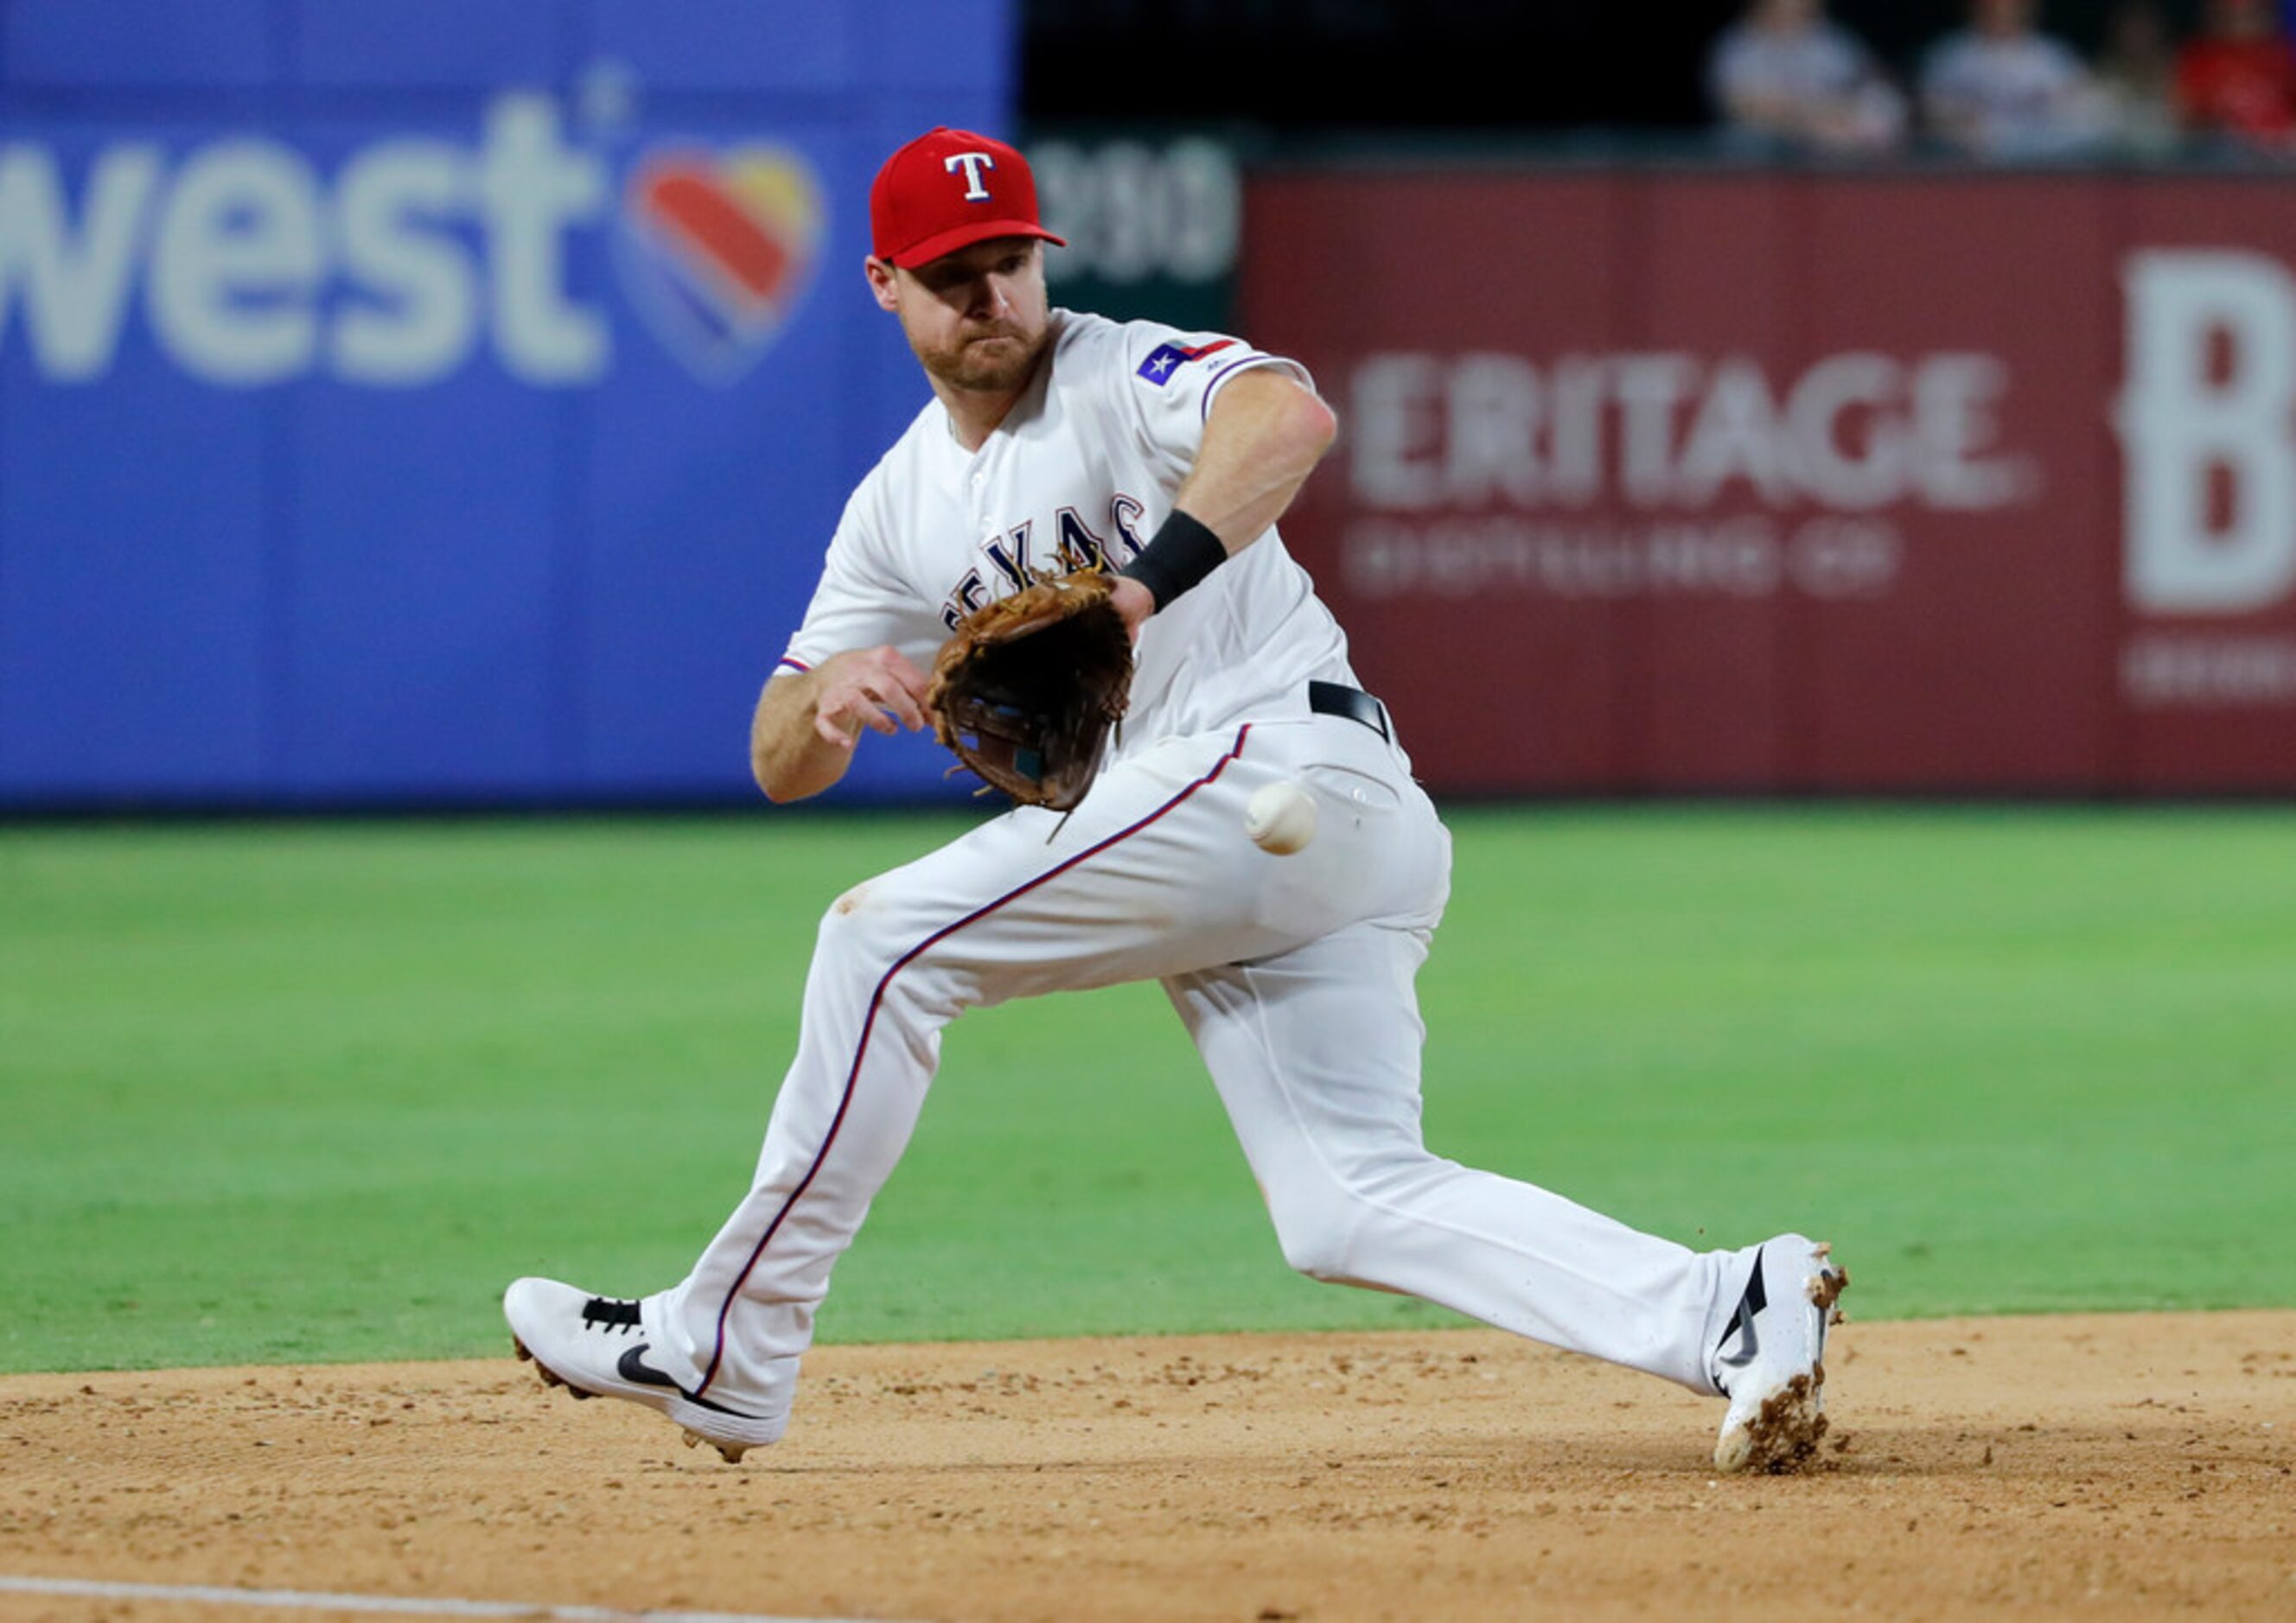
(1843,483)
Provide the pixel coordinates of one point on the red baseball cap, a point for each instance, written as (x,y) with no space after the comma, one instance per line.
(950,189)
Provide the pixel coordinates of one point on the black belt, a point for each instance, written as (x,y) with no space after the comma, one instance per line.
(1331,699)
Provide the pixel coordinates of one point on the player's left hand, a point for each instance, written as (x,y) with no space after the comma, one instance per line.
(1027,687)
(1133,603)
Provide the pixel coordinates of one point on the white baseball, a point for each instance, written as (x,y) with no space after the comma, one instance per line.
(1279,817)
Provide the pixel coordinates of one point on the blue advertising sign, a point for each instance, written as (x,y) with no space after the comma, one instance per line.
(436,401)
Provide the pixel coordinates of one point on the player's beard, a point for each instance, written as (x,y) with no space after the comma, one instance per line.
(995,360)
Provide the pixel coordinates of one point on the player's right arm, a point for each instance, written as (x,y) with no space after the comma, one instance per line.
(1239,430)
(801,737)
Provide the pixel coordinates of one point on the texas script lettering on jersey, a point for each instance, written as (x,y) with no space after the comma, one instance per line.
(1076,545)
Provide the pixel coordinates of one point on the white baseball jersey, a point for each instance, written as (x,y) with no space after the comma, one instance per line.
(1082,472)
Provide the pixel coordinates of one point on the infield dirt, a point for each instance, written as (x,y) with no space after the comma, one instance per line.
(2091,1466)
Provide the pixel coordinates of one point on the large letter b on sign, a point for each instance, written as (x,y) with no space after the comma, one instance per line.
(2188,423)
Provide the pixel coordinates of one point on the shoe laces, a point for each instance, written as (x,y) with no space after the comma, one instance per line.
(609,1312)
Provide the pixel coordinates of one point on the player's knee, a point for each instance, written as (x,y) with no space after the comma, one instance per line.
(1317,1253)
(870,939)
(1315,1224)
(858,933)
(1336,1223)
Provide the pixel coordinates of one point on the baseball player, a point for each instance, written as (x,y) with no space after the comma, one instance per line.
(1056,440)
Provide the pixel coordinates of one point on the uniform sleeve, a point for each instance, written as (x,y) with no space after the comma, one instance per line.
(1171,379)
(859,601)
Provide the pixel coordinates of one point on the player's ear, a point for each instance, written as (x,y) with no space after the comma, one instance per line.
(883,282)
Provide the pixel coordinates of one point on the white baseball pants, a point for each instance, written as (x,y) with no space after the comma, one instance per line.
(1293,975)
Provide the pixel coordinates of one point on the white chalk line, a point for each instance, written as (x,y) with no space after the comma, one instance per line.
(404,1605)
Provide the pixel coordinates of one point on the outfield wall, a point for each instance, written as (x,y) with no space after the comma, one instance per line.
(1914,482)
(436,400)
(447,401)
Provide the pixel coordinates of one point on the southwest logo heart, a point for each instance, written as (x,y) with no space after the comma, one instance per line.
(717,249)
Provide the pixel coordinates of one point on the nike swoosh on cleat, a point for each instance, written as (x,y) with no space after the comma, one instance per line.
(1756,1298)
(1750,1349)
(633,1366)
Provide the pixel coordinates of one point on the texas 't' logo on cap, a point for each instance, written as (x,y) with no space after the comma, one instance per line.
(950,189)
(972,164)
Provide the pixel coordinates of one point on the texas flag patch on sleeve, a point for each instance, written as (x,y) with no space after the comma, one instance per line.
(1165,359)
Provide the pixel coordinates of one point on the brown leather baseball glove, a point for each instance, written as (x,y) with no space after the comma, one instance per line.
(1026,688)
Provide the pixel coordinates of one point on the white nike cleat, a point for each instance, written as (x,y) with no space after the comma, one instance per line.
(595,1347)
(1772,1358)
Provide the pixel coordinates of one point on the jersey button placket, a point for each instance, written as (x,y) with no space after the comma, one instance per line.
(978,480)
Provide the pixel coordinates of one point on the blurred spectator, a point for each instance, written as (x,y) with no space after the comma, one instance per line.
(2000,88)
(1784,76)
(2238,80)
(2136,78)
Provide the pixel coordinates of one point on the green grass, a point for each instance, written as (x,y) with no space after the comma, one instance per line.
(313,1092)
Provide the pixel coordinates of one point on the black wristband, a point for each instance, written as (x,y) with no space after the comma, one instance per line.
(1180,554)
